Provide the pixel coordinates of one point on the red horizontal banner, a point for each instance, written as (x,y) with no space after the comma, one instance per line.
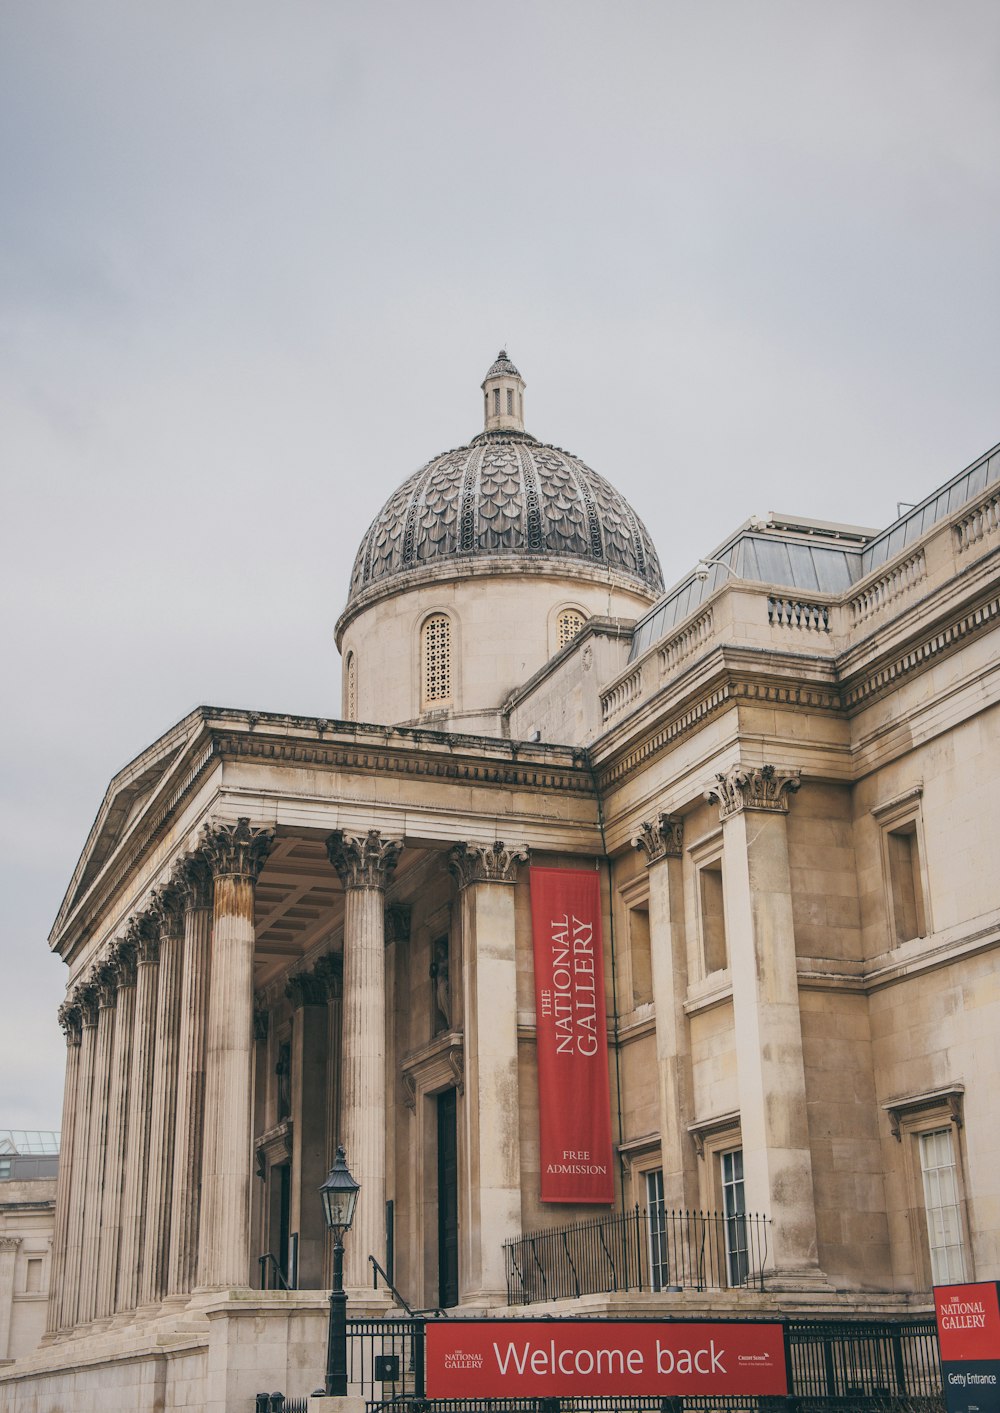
(574,1098)
(567,1359)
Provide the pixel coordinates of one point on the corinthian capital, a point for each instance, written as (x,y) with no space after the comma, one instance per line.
(167,910)
(661,839)
(753,787)
(143,935)
(236,850)
(123,959)
(363,860)
(71,1022)
(486,863)
(193,878)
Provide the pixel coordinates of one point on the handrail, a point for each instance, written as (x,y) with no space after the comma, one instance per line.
(262,1262)
(378,1268)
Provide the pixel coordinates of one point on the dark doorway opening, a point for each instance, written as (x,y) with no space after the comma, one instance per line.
(447,1185)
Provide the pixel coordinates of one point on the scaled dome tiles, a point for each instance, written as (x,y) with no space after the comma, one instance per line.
(507,495)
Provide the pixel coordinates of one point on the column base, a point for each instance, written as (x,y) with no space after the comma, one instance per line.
(793,1280)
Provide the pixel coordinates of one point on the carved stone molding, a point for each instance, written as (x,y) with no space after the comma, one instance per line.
(753,787)
(721,1126)
(71,1021)
(433,1068)
(9,1243)
(330,970)
(397,923)
(485,863)
(363,860)
(947,1102)
(236,850)
(274,1148)
(306,988)
(661,839)
(193,878)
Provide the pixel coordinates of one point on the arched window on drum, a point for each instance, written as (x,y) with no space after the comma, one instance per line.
(568,624)
(435,661)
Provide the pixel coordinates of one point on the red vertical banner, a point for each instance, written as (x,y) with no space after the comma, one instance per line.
(574,1098)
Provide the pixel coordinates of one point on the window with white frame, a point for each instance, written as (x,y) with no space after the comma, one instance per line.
(942,1206)
(734,1213)
(659,1256)
(435,659)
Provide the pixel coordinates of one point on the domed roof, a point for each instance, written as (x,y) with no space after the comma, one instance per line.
(506,495)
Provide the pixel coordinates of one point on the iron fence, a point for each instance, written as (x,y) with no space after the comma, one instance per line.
(864,1358)
(638,1250)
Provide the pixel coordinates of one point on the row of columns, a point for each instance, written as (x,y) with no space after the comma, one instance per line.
(753,806)
(153,1189)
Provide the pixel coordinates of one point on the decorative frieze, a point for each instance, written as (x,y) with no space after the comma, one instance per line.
(363,860)
(486,863)
(661,839)
(753,787)
(236,850)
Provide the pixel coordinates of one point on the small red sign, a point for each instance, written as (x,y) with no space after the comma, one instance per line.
(968,1321)
(577,1358)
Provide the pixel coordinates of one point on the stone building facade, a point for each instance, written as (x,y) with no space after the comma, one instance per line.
(28,1166)
(288,932)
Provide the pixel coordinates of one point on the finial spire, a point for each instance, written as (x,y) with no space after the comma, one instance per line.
(503,396)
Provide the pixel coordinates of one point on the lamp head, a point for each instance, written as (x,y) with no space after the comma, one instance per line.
(339,1195)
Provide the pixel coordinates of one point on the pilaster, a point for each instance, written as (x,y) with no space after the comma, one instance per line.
(661,841)
(235,853)
(8,1260)
(777,1162)
(485,874)
(307,993)
(364,864)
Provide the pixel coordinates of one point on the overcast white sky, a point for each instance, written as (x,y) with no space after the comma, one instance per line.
(255,260)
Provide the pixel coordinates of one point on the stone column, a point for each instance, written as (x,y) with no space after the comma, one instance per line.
(169,915)
(124,963)
(195,882)
(236,854)
(8,1260)
(662,843)
(777,1161)
(486,874)
(330,968)
(70,1020)
(307,994)
(142,934)
(86,999)
(365,864)
(107,996)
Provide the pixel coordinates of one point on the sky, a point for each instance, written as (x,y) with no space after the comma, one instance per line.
(256,259)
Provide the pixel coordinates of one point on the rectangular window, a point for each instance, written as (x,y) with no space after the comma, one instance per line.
(496,401)
(903,853)
(734,1211)
(639,948)
(713,916)
(659,1257)
(33,1276)
(510,403)
(942,1206)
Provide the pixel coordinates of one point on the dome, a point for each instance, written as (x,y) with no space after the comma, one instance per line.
(504,496)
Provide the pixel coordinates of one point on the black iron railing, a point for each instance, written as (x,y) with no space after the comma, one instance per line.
(835,1366)
(638,1250)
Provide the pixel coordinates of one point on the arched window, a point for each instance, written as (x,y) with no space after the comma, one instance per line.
(351,687)
(435,659)
(568,624)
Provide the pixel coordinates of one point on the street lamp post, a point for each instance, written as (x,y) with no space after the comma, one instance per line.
(339,1195)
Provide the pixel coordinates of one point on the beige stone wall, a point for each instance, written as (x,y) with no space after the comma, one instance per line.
(27,1219)
(502,631)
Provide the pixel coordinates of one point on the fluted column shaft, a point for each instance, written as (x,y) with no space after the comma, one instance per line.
(183,1262)
(137,1122)
(97,1141)
(69,1018)
(365,864)
(236,854)
(114,1163)
(78,1180)
(163,1115)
